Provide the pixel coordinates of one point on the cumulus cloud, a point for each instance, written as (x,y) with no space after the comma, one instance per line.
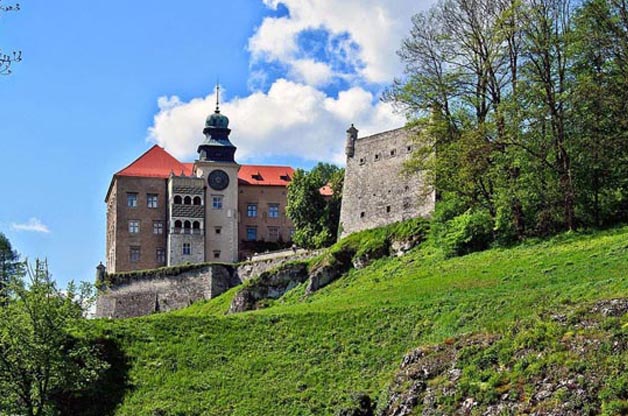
(32,225)
(376,27)
(318,46)
(290,119)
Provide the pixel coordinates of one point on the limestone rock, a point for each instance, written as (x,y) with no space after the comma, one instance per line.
(269,285)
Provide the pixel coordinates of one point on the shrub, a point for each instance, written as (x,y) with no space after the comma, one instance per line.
(466,233)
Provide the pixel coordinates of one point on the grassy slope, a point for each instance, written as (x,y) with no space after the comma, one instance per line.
(311,356)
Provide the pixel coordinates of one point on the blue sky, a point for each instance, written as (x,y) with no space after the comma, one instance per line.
(101,81)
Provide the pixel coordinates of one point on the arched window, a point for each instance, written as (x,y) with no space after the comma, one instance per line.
(197,200)
(177,226)
(187,200)
(187,227)
(177,199)
(196,227)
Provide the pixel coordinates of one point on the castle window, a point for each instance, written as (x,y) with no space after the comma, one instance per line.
(151,200)
(198,200)
(273,233)
(217,202)
(392,152)
(196,228)
(187,249)
(218,230)
(409,149)
(134,254)
(187,200)
(160,256)
(187,227)
(178,200)
(273,210)
(177,226)
(158,227)
(388,208)
(362,214)
(251,210)
(362,161)
(131,199)
(407,188)
(251,233)
(216,254)
(134,226)
(376,156)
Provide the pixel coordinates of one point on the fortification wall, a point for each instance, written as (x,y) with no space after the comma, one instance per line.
(164,290)
(376,192)
(144,295)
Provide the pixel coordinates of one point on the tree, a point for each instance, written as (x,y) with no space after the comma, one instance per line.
(39,357)
(8,59)
(520,110)
(9,265)
(314,217)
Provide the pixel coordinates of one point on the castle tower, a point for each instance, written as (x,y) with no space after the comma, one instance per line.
(352,136)
(217,167)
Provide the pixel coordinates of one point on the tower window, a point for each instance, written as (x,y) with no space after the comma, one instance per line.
(218,230)
(158,227)
(362,161)
(177,226)
(216,254)
(151,200)
(196,228)
(392,152)
(362,214)
(131,199)
(187,249)
(187,227)
(388,208)
(178,200)
(160,256)
(134,226)
(217,202)
(251,233)
(376,156)
(197,200)
(273,210)
(409,148)
(134,254)
(187,200)
(251,210)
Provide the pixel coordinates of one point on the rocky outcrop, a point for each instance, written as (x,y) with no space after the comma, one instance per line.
(271,284)
(566,364)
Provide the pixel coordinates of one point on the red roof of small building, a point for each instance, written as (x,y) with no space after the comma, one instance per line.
(326,190)
(156,163)
(260,175)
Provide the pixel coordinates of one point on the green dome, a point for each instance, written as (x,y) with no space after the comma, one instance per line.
(217,120)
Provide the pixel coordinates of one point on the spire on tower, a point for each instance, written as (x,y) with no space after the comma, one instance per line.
(217,95)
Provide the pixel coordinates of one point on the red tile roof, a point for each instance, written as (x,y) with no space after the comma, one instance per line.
(326,190)
(265,175)
(156,163)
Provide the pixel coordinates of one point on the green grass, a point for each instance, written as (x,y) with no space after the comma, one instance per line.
(310,356)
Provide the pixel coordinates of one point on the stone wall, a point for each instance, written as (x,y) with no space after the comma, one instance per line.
(158,293)
(376,191)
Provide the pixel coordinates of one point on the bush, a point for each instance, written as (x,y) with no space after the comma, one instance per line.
(466,233)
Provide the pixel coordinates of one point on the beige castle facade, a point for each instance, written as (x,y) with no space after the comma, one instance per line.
(161,212)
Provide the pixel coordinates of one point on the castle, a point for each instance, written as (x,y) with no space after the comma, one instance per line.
(162,212)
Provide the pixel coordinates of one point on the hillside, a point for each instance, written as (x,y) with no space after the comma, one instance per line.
(317,354)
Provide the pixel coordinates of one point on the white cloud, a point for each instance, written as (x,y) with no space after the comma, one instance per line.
(32,225)
(290,119)
(353,41)
(376,26)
